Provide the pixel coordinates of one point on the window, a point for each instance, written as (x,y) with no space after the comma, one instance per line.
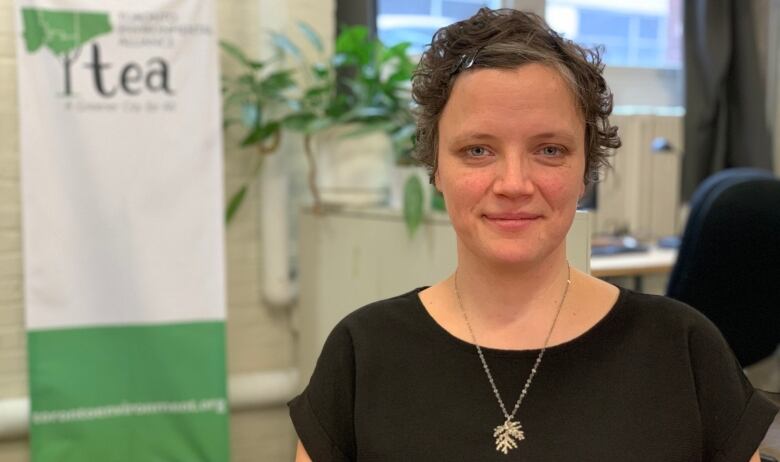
(416,21)
(642,40)
(634,34)
(642,43)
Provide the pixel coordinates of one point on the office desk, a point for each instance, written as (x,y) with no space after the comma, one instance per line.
(654,261)
(634,264)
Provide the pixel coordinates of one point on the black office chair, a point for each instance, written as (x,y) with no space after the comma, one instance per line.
(728,265)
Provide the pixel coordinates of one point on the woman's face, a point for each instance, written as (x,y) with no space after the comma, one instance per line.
(511,160)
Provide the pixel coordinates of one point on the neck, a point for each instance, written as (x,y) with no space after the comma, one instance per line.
(503,294)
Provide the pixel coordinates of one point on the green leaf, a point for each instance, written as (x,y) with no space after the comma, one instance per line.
(402,73)
(276,83)
(285,44)
(299,122)
(246,81)
(311,35)
(235,203)
(338,107)
(413,203)
(399,50)
(319,70)
(260,133)
(320,123)
(239,55)
(353,42)
(397,84)
(316,93)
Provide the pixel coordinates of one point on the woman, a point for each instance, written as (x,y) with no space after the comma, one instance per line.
(517,356)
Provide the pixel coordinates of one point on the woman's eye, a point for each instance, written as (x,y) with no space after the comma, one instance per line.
(551,151)
(477,151)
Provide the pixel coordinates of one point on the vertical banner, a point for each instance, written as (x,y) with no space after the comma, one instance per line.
(121,173)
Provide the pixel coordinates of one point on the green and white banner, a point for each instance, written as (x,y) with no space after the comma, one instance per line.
(124,279)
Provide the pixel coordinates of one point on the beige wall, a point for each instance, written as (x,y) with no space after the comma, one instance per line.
(258,338)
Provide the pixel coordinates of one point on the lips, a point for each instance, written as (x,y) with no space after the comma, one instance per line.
(512,216)
(509,222)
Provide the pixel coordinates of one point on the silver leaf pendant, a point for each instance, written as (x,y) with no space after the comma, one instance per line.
(508,435)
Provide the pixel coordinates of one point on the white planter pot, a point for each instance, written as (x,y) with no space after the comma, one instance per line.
(353,170)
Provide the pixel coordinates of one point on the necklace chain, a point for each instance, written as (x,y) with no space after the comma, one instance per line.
(534,369)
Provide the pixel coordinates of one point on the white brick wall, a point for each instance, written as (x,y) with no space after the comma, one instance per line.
(13,357)
(258,338)
(13,353)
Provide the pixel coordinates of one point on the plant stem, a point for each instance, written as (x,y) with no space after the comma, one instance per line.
(265,151)
(274,144)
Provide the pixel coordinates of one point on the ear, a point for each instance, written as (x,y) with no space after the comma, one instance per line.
(582,191)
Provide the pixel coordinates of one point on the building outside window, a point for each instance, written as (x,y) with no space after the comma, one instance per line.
(642,41)
(634,34)
(643,47)
(415,21)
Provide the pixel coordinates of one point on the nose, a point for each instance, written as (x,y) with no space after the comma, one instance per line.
(513,177)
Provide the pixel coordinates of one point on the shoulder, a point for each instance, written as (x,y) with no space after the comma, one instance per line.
(633,313)
(664,325)
(381,333)
(689,351)
(371,329)
(663,312)
(384,315)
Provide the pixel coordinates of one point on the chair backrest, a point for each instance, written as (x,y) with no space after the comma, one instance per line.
(728,266)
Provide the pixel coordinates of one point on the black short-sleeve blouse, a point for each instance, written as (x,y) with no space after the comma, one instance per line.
(652,381)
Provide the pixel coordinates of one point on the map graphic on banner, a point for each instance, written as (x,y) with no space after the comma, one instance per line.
(61,31)
(121,168)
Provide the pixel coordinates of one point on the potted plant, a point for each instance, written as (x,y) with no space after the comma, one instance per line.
(364,85)
(362,88)
(256,98)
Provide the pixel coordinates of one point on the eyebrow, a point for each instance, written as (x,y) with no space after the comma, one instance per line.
(564,135)
(460,138)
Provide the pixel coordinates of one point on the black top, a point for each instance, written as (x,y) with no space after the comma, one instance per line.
(652,381)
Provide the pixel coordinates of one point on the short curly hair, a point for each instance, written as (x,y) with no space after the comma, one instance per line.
(507,39)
